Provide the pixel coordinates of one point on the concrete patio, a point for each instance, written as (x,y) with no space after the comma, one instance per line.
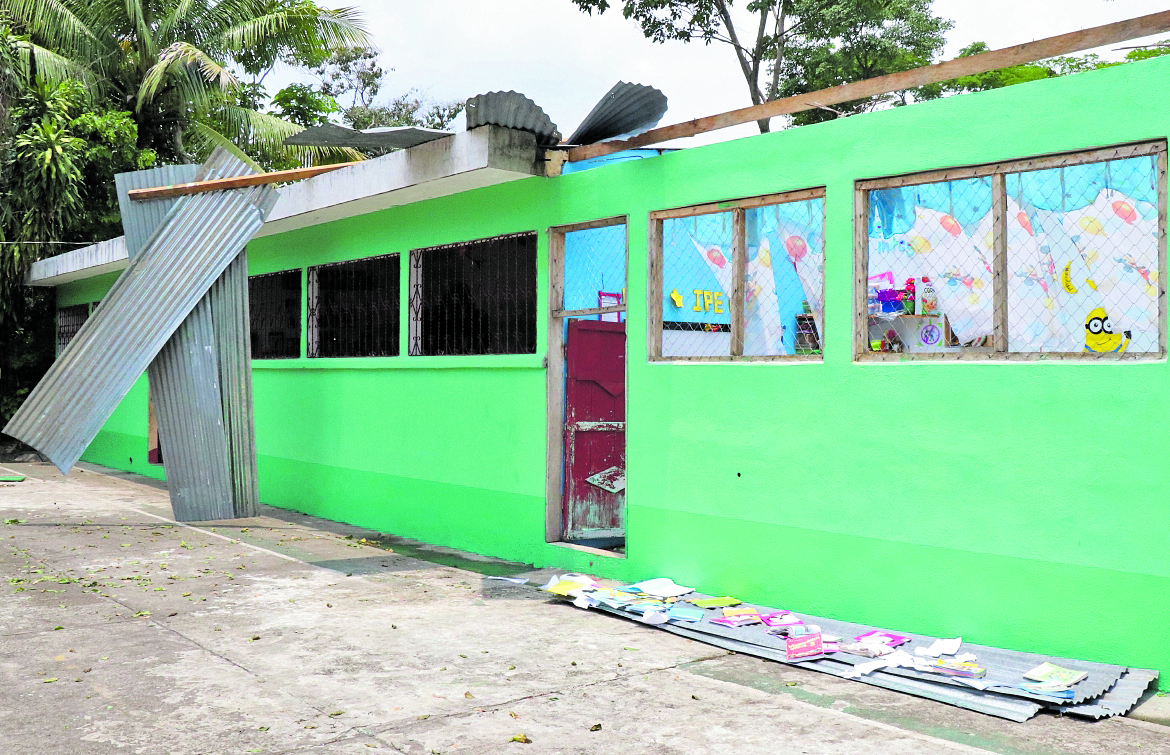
(122,631)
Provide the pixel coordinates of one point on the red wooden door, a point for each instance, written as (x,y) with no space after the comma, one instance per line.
(595,431)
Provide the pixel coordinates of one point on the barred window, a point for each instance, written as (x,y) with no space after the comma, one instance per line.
(274,304)
(1051,257)
(353,308)
(739,280)
(69,321)
(477,297)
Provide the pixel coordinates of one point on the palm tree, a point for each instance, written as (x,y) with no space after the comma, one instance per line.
(177,64)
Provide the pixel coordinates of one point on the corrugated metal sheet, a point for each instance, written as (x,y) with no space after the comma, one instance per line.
(1005,668)
(139,219)
(625,110)
(229,303)
(511,110)
(184,380)
(201,386)
(394,137)
(993,705)
(1120,699)
(185,255)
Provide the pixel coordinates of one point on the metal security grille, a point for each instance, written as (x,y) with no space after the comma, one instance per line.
(69,321)
(1053,257)
(274,304)
(353,308)
(477,297)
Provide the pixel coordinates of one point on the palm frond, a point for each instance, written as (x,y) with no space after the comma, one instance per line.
(264,134)
(203,138)
(180,15)
(56,24)
(52,67)
(296,26)
(180,61)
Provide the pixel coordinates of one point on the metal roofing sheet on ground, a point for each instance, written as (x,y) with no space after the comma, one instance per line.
(198,239)
(993,705)
(1005,668)
(625,110)
(1120,699)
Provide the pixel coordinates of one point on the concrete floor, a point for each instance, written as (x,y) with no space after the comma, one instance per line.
(121,631)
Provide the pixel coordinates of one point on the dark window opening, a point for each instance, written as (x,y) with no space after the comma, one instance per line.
(353,308)
(477,297)
(69,321)
(274,304)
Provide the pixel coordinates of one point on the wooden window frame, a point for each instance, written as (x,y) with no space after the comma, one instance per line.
(555,374)
(998,171)
(738,208)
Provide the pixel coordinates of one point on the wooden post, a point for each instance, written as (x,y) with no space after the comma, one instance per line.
(654,290)
(555,377)
(860,272)
(999,264)
(1161,178)
(738,270)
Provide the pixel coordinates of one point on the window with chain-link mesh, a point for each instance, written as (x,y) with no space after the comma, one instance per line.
(740,280)
(69,321)
(353,308)
(477,297)
(274,306)
(1051,257)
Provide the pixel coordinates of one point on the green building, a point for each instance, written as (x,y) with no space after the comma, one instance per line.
(745,394)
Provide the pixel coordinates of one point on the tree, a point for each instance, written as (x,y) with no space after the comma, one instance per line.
(859,40)
(58,157)
(1044,69)
(355,73)
(177,65)
(779,26)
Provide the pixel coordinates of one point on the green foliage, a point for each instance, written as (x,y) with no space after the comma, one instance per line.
(303,105)
(855,40)
(354,73)
(176,64)
(804,43)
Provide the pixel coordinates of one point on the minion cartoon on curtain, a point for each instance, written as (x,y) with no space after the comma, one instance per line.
(1099,335)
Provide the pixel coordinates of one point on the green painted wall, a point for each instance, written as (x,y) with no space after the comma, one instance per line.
(1022,505)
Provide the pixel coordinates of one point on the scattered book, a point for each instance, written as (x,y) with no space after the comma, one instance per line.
(723,602)
(1048,672)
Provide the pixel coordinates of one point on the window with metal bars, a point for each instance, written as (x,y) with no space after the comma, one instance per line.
(69,321)
(274,304)
(477,297)
(353,308)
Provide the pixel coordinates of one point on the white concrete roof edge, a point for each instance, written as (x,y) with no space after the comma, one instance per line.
(468,160)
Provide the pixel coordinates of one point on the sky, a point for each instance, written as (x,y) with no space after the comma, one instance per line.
(565,60)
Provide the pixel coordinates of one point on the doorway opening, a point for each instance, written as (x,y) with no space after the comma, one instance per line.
(586,469)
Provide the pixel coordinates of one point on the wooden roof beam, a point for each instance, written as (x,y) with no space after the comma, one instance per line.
(1029,52)
(237,182)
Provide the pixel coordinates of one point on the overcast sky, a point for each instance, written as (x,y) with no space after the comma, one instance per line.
(565,60)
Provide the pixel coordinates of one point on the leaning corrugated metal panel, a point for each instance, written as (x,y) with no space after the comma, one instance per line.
(184,380)
(139,219)
(625,110)
(205,410)
(185,255)
(229,300)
